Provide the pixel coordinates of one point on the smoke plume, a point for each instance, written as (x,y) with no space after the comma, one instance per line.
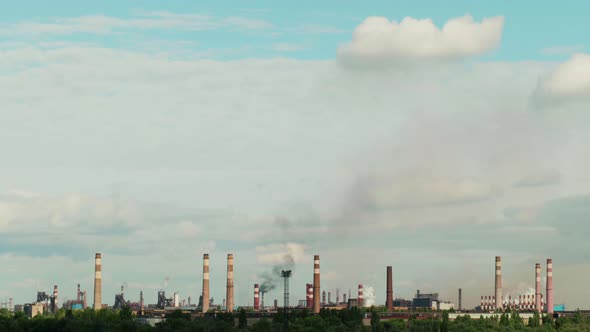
(271,279)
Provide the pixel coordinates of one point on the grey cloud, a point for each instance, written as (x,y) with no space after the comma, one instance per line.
(551,177)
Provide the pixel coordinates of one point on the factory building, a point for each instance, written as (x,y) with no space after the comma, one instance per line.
(430,301)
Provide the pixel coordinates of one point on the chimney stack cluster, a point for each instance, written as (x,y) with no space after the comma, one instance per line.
(534,301)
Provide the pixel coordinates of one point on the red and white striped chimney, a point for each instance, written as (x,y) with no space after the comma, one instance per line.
(309,296)
(360,296)
(538,287)
(549,286)
(256,297)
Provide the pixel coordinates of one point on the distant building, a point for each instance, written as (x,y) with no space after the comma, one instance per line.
(34,309)
(353,303)
(430,301)
(402,304)
(425,301)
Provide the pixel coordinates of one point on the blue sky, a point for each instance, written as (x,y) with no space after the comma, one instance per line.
(333,130)
(562,25)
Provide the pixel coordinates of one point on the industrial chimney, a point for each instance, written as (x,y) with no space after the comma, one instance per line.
(316,284)
(55,302)
(141,303)
(309,296)
(538,287)
(498,285)
(97,281)
(78,294)
(389,294)
(229,303)
(205,294)
(256,297)
(460,299)
(360,296)
(323,297)
(549,290)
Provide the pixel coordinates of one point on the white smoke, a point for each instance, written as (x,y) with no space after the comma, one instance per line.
(369,296)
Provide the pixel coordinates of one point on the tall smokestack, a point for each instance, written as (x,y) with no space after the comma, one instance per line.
(97,281)
(538,287)
(78,294)
(85,304)
(360,296)
(229,303)
(55,305)
(323,297)
(316,284)
(460,299)
(10,305)
(141,303)
(389,294)
(498,285)
(205,294)
(256,297)
(549,290)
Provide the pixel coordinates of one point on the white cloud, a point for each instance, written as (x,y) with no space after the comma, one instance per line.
(378,40)
(567,81)
(287,47)
(319,29)
(562,50)
(101,24)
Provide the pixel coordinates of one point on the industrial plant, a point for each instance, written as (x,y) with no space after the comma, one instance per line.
(316,298)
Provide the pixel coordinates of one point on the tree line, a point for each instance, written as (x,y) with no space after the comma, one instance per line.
(327,321)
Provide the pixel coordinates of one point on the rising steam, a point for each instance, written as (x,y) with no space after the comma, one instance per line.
(369,296)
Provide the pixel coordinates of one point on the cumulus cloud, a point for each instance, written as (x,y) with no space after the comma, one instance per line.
(567,81)
(378,40)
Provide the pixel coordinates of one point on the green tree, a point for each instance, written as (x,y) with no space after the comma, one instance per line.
(242,320)
(263,325)
(375,322)
(535,321)
(444,327)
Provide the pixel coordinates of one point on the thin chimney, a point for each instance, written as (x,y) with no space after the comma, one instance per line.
(498,284)
(549,290)
(538,287)
(205,294)
(229,303)
(360,296)
(256,297)
(389,294)
(316,284)
(97,281)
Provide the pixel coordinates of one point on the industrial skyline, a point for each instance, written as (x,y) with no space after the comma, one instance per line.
(538,301)
(154,133)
